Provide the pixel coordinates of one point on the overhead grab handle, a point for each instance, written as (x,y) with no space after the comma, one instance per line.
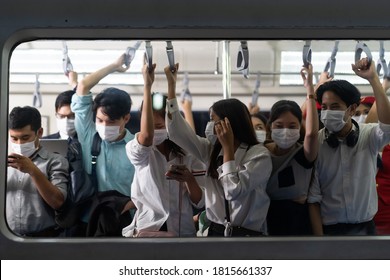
(359,49)
(186,94)
(66,63)
(171,56)
(331,63)
(149,55)
(243,59)
(37,96)
(306,53)
(130,53)
(382,62)
(217,59)
(255,94)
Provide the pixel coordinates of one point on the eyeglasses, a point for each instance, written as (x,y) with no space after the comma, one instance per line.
(60,116)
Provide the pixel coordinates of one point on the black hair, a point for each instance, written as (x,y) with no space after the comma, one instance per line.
(159,102)
(241,123)
(278,109)
(343,89)
(261,117)
(114,102)
(23,116)
(64,99)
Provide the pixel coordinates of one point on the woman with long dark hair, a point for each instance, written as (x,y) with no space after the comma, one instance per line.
(238,166)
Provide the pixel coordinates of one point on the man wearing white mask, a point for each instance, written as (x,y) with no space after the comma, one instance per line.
(293,152)
(112,109)
(64,117)
(343,196)
(36,179)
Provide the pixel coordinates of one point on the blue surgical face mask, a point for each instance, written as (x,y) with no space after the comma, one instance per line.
(66,127)
(360,119)
(108,133)
(285,138)
(333,120)
(25,149)
(160,135)
(260,135)
(209,132)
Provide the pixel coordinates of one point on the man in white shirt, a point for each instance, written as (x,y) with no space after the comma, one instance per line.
(343,198)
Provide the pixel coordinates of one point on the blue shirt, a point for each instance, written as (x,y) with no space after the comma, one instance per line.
(114,170)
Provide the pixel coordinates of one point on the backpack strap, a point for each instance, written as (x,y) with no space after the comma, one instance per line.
(95,151)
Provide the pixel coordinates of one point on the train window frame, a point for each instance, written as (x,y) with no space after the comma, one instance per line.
(14,247)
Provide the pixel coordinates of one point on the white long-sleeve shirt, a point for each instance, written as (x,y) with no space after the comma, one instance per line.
(344,184)
(242,182)
(158,199)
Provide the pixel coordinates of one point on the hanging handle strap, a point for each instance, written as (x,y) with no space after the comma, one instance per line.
(186,94)
(66,63)
(171,56)
(37,96)
(382,62)
(130,53)
(331,63)
(359,49)
(243,59)
(306,53)
(255,94)
(149,55)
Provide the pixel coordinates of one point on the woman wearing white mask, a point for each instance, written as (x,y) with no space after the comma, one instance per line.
(238,166)
(363,109)
(259,123)
(164,189)
(292,162)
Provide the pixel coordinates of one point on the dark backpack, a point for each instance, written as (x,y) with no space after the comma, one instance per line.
(82,186)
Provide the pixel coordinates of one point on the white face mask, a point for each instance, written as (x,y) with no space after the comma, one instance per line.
(360,119)
(25,149)
(285,137)
(209,132)
(260,135)
(66,128)
(333,120)
(108,133)
(160,135)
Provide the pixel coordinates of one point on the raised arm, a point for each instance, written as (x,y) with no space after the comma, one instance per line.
(171,78)
(146,134)
(310,144)
(89,81)
(368,72)
(187,109)
(73,79)
(372,116)
(324,77)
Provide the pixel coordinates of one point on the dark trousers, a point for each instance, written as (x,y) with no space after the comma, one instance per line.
(365,228)
(286,217)
(217,230)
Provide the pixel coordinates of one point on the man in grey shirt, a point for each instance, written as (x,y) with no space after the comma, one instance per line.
(36,179)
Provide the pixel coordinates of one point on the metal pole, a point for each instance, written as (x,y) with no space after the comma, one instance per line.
(226,70)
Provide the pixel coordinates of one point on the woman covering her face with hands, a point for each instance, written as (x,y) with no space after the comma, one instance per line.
(238,166)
